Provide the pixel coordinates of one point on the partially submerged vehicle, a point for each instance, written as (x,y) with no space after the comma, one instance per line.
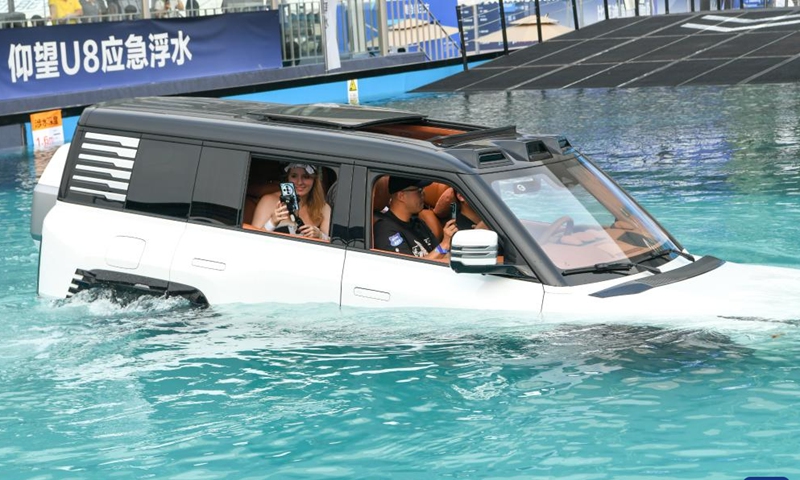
(158,195)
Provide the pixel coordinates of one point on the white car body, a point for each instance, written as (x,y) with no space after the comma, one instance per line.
(85,245)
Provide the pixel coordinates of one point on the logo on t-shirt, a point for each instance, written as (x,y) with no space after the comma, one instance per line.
(418,249)
(395,239)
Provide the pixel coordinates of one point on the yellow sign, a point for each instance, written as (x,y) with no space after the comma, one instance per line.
(352,92)
(44,120)
(47,129)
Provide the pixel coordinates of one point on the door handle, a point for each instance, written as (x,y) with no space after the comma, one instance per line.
(372,294)
(209,264)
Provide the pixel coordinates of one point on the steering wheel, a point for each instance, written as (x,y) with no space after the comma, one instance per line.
(566,223)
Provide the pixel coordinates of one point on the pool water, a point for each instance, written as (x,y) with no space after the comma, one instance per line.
(99,387)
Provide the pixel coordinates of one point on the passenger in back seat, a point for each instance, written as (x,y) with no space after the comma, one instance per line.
(400,230)
(272,215)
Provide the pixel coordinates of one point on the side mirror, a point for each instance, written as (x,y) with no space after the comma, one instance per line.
(474,251)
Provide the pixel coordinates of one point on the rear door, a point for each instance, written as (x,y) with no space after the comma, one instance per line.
(232,264)
(374,278)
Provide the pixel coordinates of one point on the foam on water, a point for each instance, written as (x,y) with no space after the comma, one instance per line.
(110,386)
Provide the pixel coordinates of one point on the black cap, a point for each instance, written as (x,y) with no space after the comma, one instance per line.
(400,183)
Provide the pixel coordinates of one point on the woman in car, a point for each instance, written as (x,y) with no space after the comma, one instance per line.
(313,218)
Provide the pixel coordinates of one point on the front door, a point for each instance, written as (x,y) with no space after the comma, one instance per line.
(376,278)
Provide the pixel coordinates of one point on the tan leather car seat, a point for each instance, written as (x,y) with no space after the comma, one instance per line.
(380,200)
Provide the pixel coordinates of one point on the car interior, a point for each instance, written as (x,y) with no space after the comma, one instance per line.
(265,177)
(380,203)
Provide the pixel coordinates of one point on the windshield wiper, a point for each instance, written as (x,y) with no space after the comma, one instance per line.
(666,251)
(608,267)
(626,266)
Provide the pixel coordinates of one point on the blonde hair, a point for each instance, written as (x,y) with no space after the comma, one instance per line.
(315,200)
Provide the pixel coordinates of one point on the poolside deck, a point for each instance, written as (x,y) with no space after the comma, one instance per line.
(708,48)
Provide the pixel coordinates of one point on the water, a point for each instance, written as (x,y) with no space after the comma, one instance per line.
(98,387)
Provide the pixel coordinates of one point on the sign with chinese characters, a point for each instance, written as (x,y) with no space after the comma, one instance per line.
(73,58)
(47,130)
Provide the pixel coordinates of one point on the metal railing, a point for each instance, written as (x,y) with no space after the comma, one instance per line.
(412,28)
(532,21)
(114,14)
(409,25)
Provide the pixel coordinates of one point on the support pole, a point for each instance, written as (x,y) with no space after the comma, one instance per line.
(383,28)
(575,15)
(503,26)
(461,36)
(605,8)
(539,20)
(636,7)
(666,7)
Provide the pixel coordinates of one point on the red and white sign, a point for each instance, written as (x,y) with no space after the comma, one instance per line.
(48,132)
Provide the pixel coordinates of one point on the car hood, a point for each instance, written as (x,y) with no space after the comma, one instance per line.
(729,290)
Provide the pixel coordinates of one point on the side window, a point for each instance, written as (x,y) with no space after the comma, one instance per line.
(163,178)
(271,208)
(219,187)
(99,169)
(410,216)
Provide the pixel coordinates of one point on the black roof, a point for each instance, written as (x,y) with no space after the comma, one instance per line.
(335,115)
(322,114)
(312,128)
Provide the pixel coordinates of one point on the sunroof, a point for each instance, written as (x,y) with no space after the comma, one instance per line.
(459,138)
(342,116)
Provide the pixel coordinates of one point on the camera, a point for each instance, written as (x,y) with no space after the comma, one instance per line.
(289,198)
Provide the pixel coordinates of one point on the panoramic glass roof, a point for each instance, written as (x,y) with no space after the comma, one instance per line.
(342,116)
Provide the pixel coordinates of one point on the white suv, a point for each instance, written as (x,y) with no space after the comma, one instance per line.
(159,195)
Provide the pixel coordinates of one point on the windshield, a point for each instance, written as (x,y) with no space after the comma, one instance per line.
(578,216)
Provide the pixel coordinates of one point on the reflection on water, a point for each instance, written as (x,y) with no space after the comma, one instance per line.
(106,387)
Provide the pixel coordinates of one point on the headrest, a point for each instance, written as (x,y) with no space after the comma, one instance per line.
(380,194)
(433,192)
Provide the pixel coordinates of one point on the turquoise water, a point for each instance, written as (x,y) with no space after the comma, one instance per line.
(95,388)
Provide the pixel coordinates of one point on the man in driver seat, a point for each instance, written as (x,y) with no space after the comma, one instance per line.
(400,230)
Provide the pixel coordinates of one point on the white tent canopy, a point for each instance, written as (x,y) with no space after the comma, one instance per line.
(524,30)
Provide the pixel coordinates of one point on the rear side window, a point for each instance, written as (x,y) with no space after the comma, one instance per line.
(99,169)
(219,188)
(163,178)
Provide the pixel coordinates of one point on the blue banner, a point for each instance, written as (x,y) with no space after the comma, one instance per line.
(73,58)
(442,10)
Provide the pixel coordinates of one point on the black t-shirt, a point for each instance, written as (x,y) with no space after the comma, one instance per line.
(412,238)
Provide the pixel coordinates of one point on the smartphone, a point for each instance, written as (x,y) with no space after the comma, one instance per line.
(453,210)
(289,197)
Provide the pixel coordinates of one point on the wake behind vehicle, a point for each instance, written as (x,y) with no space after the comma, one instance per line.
(158,195)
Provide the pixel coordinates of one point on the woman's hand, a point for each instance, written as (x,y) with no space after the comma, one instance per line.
(310,231)
(280,214)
